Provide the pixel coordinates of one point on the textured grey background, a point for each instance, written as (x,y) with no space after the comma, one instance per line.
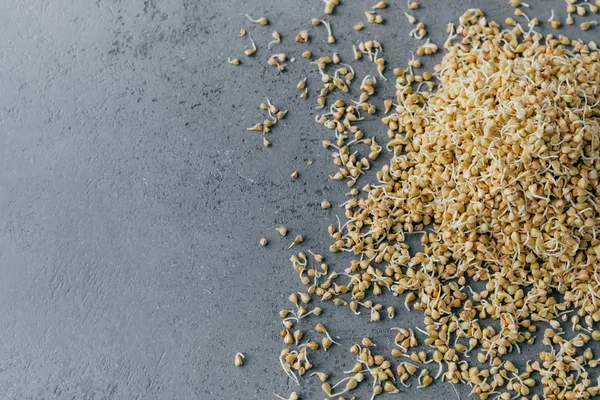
(132,199)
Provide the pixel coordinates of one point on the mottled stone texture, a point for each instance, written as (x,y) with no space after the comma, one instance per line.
(132,199)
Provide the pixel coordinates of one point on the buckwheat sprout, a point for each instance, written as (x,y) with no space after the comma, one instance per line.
(330,37)
(381,74)
(239,359)
(315,311)
(276,39)
(288,371)
(411,19)
(330,338)
(260,21)
(250,52)
(587,25)
(368,78)
(349,67)
(323,74)
(257,127)
(343,379)
(349,386)
(321,375)
(269,104)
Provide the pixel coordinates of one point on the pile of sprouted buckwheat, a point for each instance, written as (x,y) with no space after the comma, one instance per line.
(495,158)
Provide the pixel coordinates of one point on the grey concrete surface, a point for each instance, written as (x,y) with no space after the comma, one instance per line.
(132,199)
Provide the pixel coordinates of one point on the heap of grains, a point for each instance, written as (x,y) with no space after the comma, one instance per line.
(502,161)
(497,169)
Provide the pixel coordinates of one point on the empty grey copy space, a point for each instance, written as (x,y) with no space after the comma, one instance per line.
(132,198)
